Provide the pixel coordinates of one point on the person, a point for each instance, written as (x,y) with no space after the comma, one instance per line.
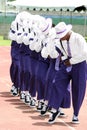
(72,70)
(15,64)
(53,53)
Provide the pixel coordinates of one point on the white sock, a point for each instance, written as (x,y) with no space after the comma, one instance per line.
(27,93)
(46,102)
(75,117)
(22,91)
(54,110)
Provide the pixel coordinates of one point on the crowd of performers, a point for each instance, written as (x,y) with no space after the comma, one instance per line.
(43,71)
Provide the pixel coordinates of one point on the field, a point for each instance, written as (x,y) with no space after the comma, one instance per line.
(4,42)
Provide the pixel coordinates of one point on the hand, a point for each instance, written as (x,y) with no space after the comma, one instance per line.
(67,63)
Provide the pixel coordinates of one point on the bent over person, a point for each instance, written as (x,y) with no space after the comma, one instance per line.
(72,69)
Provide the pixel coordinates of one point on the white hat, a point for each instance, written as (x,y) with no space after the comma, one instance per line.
(62,29)
(12,32)
(22,16)
(46,26)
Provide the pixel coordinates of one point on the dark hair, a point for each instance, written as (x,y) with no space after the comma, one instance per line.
(53,25)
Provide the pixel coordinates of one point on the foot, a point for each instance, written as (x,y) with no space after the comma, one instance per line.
(75,120)
(27,99)
(44,110)
(40,106)
(12,89)
(62,114)
(22,96)
(15,92)
(53,117)
(33,103)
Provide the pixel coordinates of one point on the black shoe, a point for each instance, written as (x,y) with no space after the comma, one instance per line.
(22,96)
(53,117)
(15,92)
(33,103)
(27,99)
(62,114)
(44,110)
(40,106)
(12,89)
(75,120)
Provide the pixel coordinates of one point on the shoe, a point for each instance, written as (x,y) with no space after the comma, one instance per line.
(49,109)
(27,99)
(75,120)
(62,114)
(12,89)
(22,96)
(40,106)
(44,110)
(15,92)
(33,103)
(53,117)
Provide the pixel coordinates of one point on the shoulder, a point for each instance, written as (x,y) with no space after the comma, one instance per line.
(77,37)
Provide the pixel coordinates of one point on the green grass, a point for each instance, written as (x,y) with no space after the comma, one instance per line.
(4,42)
(86,39)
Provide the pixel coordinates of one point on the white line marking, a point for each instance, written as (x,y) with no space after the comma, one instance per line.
(71,128)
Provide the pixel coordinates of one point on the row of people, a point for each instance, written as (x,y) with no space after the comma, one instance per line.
(48,64)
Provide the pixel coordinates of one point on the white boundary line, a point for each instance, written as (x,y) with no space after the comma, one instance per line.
(71,128)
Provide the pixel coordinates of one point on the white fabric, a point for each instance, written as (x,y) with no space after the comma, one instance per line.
(78,48)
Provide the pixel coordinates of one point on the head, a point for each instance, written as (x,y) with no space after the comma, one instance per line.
(63,31)
(46,25)
(22,17)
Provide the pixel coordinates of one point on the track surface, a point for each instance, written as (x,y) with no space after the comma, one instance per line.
(15,115)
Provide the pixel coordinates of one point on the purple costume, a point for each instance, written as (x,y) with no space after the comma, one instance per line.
(24,68)
(15,65)
(41,71)
(61,81)
(32,68)
(49,86)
